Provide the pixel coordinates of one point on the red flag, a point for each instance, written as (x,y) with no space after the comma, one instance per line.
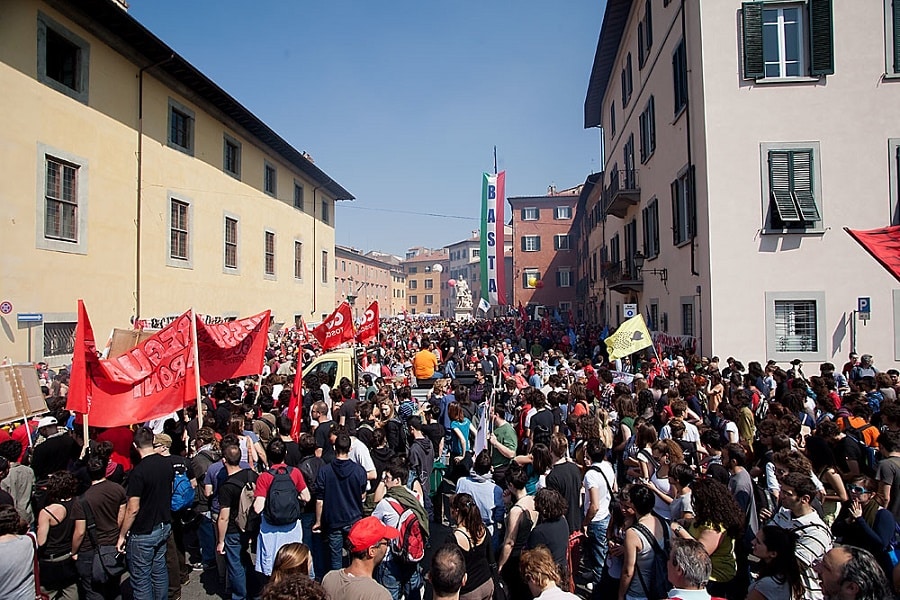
(151,380)
(522,314)
(336,329)
(369,328)
(232,349)
(295,407)
(883,244)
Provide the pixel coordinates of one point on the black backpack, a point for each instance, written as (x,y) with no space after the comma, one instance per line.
(541,433)
(658,586)
(282,500)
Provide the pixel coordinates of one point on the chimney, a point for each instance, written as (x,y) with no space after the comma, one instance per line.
(123,4)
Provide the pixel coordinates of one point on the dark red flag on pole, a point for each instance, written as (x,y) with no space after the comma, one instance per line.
(336,329)
(883,244)
(295,407)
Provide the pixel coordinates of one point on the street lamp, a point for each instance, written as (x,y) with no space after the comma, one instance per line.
(639,259)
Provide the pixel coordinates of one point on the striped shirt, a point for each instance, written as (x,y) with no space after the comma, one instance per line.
(813,541)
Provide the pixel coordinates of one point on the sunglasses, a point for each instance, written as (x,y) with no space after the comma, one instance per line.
(857,489)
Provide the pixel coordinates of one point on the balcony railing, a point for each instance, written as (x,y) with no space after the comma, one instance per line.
(623,191)
(623,276)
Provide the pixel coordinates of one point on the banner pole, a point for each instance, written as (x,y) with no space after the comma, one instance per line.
(196,351)
(84,432)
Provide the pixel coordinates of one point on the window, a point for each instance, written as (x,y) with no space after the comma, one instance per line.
(61,196)
(564,278)
(614,255)
(413,284)
(683,208)
(413,270)
(429,299)
(630,182)
(63,59)
(892,36)
(679,77)
(645,35)
(270,253)
(627,81)
(326,218)
(648,130)
(298,260)
(630,247)
(562,212)
(612,120)
(565,307)
(181,127)
(653,324)
(476,252)
(298,197)
(429,284)
(531,243)
(232,157)
(650,220)
(231,243)
(894,179)
(179,232)
(324,266)
(530,278)
(796,326)
(413,299)
(777,36)
(561,242)
(270,179)
(59,339)
(593,267)
(792,187)
(687,318)
(531,214)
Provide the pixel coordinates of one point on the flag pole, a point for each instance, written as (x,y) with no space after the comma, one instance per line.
(84,432)
(196,352)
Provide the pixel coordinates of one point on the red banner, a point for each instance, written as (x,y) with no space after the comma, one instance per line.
(369,328)
(151,380)
(336,329)
(232,349)
(883,244)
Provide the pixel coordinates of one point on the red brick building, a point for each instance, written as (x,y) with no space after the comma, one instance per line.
(543,252)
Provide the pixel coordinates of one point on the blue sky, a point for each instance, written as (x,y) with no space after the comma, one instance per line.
(402,101)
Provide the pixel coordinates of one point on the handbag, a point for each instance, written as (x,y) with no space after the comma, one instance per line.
(38,594)
(108,562)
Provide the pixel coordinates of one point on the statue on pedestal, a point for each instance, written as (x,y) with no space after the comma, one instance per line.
(463,295)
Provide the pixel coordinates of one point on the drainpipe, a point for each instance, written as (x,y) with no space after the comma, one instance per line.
(687,124)
(140,165)
(315,247)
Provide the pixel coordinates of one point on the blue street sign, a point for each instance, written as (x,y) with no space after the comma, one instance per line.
(30,317)
(864,305)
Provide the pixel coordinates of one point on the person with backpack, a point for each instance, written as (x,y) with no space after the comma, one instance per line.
(400,508)
(309,467)
(234,522)
(183,496)
(278,497)
(644,572)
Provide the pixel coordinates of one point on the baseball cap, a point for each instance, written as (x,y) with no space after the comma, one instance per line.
(367,532)
(46,422)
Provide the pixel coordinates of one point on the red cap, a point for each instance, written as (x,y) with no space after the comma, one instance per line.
(367,532)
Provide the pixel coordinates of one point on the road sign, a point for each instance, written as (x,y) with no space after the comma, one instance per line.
(6,307)
(864,308)
(629,310)
(30,317)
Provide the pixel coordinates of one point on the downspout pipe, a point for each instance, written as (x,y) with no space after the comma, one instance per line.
(315,247)
(690,159)
(140,169)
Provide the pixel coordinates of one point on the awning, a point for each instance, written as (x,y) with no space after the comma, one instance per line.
(883,244)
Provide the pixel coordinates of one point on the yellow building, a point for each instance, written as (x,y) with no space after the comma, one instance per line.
(133,181)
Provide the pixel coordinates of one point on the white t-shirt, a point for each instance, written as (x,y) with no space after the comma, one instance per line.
(359,453)
(593,479)
(691,433)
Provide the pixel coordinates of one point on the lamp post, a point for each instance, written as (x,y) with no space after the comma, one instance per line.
(639,259)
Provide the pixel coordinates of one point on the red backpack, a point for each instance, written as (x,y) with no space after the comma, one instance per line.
(410,546)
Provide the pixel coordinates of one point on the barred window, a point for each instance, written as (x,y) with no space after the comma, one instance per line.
(270,253)
(796,326)
(59,339)
(231,242)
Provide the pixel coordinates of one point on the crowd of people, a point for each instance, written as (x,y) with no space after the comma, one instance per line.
(474,460)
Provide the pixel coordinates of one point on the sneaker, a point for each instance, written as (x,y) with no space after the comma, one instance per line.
(198,566)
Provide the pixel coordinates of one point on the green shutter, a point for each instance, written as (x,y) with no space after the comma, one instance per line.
(780,186)
(538,245)
(821,38)
(691,204)
(641,45)
(895,7)
(558,279)
(523,214)
(802,185)
(648,28)
(651,123)
(751,24)
(523,243)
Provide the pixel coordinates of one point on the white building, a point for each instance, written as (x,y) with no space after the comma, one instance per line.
(739,140)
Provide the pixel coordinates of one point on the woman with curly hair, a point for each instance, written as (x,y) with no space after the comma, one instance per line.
(779,574)
(539,572)
(718,521)
(55,530)
(552,529)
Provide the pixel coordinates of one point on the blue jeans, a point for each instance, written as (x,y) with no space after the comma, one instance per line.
(237,559)
(314,541)
(400,579)
(146,557)
(206,537)
(336,546)
(597,547)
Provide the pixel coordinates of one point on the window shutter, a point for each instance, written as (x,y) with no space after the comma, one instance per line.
(780,186)
(624,90)
(802,185)
(537,245)
(556,242)
(821,38)
(895,7)
(558,279)
(641,45)
(676,221)
(651,123)
(691,200)
(523,243)
(751,24)
(523,214)
(649,26)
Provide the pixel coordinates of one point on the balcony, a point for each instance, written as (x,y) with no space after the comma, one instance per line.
(623,277)
(623,191)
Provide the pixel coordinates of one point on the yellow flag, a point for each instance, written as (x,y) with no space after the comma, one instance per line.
(631,336)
